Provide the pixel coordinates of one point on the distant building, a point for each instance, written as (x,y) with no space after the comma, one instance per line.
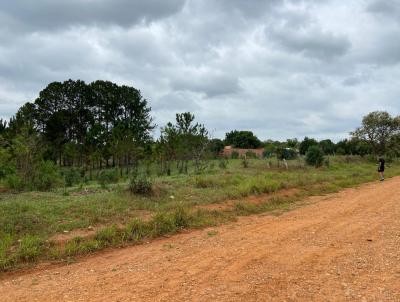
(228,150)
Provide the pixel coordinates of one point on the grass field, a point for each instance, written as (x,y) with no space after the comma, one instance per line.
(30,221)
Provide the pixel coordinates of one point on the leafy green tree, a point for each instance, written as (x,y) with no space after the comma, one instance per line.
(242,139)
(24,120)
(3,126)
(306,144)
(184,141)
(285,153)
(7,164)
(327,146)
(26,149)
(216,146)
(378,128)
(292,143)
(314,156)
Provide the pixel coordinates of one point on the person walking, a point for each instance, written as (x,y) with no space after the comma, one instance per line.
(381,167)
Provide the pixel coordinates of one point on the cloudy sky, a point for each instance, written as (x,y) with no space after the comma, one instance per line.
(279,68)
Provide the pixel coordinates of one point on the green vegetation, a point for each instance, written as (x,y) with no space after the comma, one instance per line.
(314,156)
(242,139)
(81,156)
(30,221)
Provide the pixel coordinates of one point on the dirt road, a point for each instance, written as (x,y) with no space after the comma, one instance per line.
(341,247)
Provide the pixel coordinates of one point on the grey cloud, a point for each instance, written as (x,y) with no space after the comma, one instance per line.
(50,14)
(384,49)
(279,68)
(178,101)
(209,83)
(312,43)
(255,8)
(385,8)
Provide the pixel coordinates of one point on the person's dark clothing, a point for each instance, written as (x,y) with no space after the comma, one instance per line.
(381,167)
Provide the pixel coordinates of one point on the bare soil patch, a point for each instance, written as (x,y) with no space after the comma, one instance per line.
(340,247)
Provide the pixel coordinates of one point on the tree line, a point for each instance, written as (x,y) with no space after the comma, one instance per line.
(85,124)
(102,124)
(379,134)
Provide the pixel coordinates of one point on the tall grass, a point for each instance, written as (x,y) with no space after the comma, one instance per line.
(29,220)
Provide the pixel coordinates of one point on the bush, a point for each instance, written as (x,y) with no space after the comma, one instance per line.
(136,230)
(250,154)
(286,153)
(181,218)
(107,177)
(46,176)
(108,236)
(314,156)
(327,163)
(245,162)
(223,163)
(235,155)
(6,165)
(14,182)
(6,169)
(72,176)
(162,224)
(266,154)
(141,185)
(203,182)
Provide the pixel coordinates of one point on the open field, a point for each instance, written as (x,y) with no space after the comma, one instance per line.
(339,247)
(65,223)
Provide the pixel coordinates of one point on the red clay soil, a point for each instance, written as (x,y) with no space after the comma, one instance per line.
(341,247)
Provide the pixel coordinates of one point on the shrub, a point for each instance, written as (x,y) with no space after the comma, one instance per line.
(203,182)
(140,185)
(136,230)
(162,224)
(108,177)
(14,182)
(314,156)
(250,154)
(6,169)
(245,162)
(286,153)
(223,163)
(181,218)
(235,155)
(107,236)
(46,176)
(72,176)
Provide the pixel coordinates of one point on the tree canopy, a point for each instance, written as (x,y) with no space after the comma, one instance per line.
(242,139)
(80,122)
(380,129)
(306,144)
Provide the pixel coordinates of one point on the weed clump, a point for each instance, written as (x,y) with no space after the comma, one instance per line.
(141,185)
(107,177)
(235,155)
(72,176)
(30,248)
(136,230)
(223,163)
(245,162)
(205,182)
